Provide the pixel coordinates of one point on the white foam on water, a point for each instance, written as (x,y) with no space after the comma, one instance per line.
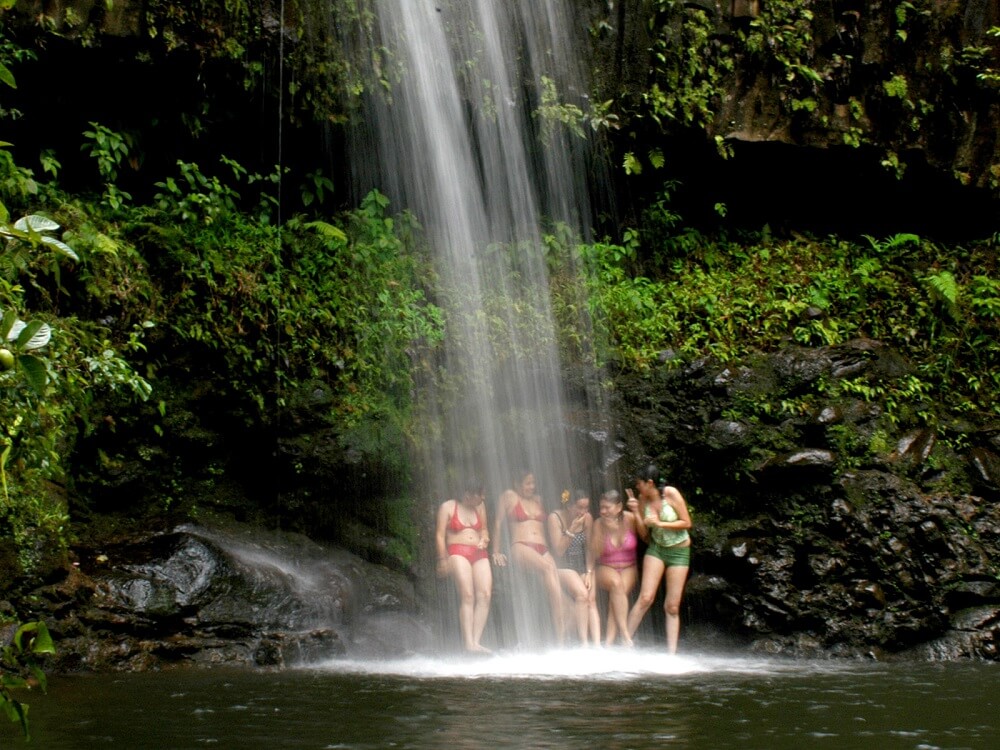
(611,664)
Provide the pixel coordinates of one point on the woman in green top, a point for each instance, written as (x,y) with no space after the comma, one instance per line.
(668,555)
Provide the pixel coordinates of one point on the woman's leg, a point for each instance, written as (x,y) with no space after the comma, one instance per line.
(545,566)
(676,578)
(615,583)
(652,572)
(461,571)
(593,616)
(574,586)
(482,577)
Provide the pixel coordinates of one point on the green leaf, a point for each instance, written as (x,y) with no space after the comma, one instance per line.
(327,230)
(42,643)
(16,712)
(6,323)
(34,371)
(7,77)
(61,247)
(35,223)
(34,335)
(632,164)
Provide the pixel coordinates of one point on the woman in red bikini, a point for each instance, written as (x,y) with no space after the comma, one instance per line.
(520,509)
(613,544)
(462,538)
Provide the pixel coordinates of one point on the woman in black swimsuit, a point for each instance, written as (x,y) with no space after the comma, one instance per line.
(569,536)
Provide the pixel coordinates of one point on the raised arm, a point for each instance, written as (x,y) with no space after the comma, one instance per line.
(559,536)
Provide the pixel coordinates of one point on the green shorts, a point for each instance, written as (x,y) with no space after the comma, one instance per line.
(671,556)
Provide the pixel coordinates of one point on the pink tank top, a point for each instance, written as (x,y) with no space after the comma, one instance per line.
(620,557)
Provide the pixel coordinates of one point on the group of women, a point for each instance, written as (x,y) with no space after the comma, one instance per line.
(572,554)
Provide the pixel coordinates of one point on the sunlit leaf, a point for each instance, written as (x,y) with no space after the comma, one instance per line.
(61,247)
(34,335)
(42,644)
(35,223)
(7,77)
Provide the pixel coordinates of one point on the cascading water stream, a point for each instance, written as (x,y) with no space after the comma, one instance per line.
(461,137)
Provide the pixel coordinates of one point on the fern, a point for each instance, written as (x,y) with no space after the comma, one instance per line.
(892,243)
(944,288)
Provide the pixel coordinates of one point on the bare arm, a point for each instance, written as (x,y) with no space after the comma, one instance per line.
(440,533)
(498,556)
(638,526)
(557,535)
(595,546)
(676,500)
(591,531)
(484,532)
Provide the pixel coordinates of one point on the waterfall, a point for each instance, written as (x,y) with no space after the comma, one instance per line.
(474,132)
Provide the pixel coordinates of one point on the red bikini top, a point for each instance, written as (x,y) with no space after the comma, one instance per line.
(455,523)
(519,513)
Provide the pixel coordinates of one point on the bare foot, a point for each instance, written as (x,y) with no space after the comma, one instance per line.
(479,649)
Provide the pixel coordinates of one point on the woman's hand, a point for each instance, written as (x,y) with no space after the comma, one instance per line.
(500,559)
(588,579)
(442,567)
(577,526)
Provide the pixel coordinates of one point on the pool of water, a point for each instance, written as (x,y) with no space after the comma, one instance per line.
(606,698)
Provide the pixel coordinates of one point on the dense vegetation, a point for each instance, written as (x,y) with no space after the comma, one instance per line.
(201,272)
(121,295)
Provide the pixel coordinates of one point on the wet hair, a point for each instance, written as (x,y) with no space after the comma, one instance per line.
(579,494)
(474,486)
(610,496)
(520,473)
(649,473)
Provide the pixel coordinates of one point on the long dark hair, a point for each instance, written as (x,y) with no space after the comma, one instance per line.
(650,473)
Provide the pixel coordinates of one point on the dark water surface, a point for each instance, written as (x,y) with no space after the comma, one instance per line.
(602,699)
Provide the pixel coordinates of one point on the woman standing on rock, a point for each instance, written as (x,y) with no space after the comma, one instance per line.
(668,555)
(461,539)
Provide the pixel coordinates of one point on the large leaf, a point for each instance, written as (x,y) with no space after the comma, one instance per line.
(34,371)
(34,335)
(7,77)
(61,247)
(7,322)
(39,639)
(35,223)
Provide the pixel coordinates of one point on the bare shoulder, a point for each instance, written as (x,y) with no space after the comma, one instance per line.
(673,495)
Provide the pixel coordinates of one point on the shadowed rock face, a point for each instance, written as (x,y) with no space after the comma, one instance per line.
(194,595)
(826,549)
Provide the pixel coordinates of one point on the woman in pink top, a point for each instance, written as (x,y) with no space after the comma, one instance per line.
(613,544)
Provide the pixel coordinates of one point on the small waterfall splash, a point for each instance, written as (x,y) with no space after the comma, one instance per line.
(479,132)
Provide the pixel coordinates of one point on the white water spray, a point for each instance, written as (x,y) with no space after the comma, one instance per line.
(479,132)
